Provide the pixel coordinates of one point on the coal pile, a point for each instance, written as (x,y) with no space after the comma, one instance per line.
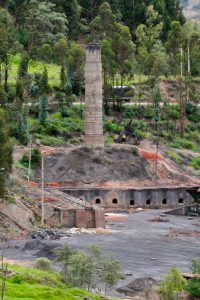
(47,234)
(137,286)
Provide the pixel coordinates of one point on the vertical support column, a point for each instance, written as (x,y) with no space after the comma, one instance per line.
(93,97)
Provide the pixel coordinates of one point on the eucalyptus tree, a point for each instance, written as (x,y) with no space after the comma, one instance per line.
(147,36)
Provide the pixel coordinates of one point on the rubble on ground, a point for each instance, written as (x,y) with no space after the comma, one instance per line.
(47,234)
(183,233)
(159,220)
(138,286)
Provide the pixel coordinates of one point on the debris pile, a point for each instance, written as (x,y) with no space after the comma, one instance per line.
(159,220)
(46,234)
(184,233)
(137,286)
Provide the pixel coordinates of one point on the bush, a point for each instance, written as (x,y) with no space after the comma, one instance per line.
(149,113)
(129,111)
(193,287)
(50,140)
(35,158)
(195,163)
(43,263)
(113,127)
(175,112)
(184,144)
(173,283)
(174,156)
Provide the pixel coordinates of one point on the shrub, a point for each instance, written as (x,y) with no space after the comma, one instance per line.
(172,284)
(195,163)
(113,127)
(43,263)
(11,94)
(129,111)
(184,144)
(193,287)
(35,158)
(50,140)
(175,112)
(149,112)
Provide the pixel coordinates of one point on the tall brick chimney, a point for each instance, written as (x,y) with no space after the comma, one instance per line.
(93,97)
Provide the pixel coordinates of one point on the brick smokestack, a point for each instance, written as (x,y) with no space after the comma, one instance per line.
(93,97)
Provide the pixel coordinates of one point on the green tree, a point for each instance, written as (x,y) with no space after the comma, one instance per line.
(41,24)
(5,154)
(80,270)
(76,64)
(61,50)
(147,37)
(110,273)
(23,67)
(43,110)
(23,127)
(6,44)
(123,47)
(44,82)
(62,256)
(102,26)
(173,46)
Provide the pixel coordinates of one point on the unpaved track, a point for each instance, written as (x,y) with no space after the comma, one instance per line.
(143,247)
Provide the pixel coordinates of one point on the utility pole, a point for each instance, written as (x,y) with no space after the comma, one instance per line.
(42,202)
(29,160)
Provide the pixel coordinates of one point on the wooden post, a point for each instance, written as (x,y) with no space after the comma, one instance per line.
(29,160)
(42,202)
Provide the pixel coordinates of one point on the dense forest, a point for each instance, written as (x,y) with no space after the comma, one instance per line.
(42,58)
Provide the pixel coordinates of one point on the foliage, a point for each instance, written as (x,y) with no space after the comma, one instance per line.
(35,158)
(175,156)
(23,67)
(43,263)
(43,110)
(63,256)
(23,127)
(90,270)
(172,284)
(5,154)
(195,163)
(193,285)
(113,127)
(31,283)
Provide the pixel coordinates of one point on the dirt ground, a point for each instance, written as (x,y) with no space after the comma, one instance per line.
(145,249)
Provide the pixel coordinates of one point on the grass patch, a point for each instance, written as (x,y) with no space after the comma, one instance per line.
(175,156)
(30,283)
(35,67)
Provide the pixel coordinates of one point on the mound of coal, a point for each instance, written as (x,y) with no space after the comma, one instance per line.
(137,286)
(88,165)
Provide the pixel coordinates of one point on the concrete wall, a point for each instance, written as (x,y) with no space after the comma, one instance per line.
(93,97)
(147,198)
